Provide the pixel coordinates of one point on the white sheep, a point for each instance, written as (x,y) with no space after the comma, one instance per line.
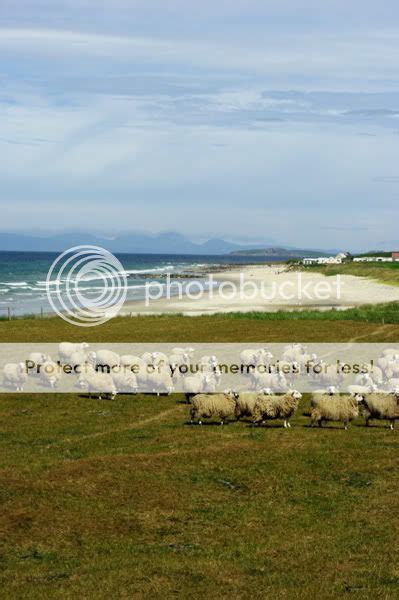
(316,394)
(206,406)
(361,389)
(246,402)
(341,408)
(49,374)
(105,360)
(252,357)
(98,383)
(198,383)
(276,407)
(37,358)
(383,406)
(275,381)
(15,376)
(67,349)
(159,381)
(125,382)
(176,361)
(392,384)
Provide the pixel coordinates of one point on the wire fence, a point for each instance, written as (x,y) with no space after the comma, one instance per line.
(8,313)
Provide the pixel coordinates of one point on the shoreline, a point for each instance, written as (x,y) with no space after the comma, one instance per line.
(354,291)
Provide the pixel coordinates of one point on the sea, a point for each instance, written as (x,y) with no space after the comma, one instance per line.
(23,276)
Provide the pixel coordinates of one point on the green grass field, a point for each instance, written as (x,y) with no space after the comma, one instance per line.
(125,499)
(384,272)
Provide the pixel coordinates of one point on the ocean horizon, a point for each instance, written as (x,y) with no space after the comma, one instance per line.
(23,275)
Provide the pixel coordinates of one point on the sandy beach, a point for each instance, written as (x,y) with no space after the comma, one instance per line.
(265,288)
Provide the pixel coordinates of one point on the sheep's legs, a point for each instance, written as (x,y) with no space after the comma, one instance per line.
(392,425)
(285,423)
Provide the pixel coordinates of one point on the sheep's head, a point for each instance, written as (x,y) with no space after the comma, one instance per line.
(267,391)
(359,398)
(296,395)
(84,345)
(232,394)
(332,390)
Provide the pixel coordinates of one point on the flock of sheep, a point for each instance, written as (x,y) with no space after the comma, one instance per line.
(375,392)
(326,407)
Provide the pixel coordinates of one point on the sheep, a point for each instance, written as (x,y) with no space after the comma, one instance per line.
(67,349)
(252,357)
(37,358)
(382,406)
(198,383)
(316,394)
(210,364)
(49,374)
(391,352)
(293,352)
(15,376)
(77,358)
(341,408)
(206,406)
(275,381)
(137,366)
(125,382)
(392,369)
(98,383)
(393,384)
(330,377)
(304,359)
(159,381)
(105,360)
(178,360)
(153,358)
(367,379)
(361,389)
(246,402)
(276,407)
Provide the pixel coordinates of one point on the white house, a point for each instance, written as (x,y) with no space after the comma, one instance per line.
(326,260)
(373,259)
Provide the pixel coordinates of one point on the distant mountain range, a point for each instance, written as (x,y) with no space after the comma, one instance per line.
(140,243)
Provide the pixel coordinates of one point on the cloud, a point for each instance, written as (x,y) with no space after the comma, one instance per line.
(238,116)
(333,57)
(386,179)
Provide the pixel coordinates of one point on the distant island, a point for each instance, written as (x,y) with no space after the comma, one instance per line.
(288,253)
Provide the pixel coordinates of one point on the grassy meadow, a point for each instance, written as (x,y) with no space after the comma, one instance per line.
(384,272)
(125,499)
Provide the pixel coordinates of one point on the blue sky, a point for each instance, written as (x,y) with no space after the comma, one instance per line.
(257,121)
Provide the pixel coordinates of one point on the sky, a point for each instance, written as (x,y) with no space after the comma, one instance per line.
(259,121)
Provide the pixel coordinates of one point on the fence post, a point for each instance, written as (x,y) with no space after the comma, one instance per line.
(41,312)
(9,313)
